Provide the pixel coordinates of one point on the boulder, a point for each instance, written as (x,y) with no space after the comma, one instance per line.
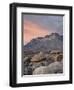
(28,70)
(55,52)
(55,55)
(38,57)
(26,59)
(36,65)
(56,67)
(60,57)
(53,68)
(40,70)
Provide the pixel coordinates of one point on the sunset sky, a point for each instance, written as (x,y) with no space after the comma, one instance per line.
(40,25)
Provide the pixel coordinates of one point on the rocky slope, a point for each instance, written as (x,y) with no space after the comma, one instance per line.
(47,43)
(43,53)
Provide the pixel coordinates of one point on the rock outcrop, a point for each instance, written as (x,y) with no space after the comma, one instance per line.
(38,57)
(43,55)
(53,68)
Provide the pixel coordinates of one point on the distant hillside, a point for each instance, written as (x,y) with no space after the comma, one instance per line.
(45,44)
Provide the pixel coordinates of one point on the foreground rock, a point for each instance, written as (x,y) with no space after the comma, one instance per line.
(43,63)
(38,57)
(56,67)
(56,55)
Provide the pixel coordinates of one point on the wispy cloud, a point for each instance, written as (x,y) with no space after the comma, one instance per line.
(33,30)
(40,25)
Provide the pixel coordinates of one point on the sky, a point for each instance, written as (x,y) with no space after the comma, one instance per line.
(40,25)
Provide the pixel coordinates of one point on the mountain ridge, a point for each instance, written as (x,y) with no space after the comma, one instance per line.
(46,43)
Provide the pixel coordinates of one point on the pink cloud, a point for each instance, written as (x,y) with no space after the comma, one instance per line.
(33,30)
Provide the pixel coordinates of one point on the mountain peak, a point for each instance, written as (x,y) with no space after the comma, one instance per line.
(47,43)
(54,33)
(53,36)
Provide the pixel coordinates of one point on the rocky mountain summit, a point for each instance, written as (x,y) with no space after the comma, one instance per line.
(47,43)
(44,55)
